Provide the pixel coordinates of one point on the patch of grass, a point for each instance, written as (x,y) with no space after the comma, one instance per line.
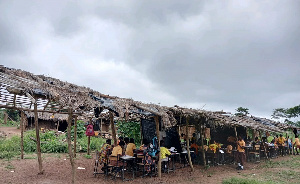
(30,157)
(292,162)
(87,156)
(10,167)
(235,180)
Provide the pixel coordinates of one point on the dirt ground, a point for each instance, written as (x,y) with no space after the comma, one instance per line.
(57,169)
(10,131)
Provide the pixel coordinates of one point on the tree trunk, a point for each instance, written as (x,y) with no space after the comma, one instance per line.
(75,135)
(70,145)
(188,145)
(88,147)
(5,117)
(202,142)
(158,138)
(113,130)
(22,133)
(38,143)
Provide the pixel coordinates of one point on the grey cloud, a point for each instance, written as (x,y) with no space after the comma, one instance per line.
(225,53)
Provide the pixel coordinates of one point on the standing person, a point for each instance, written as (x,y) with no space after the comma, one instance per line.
(281,144)
(290,145)
(297,144)
(130,147)
(241,156)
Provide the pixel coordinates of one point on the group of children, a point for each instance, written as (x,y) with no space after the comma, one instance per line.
(127,146)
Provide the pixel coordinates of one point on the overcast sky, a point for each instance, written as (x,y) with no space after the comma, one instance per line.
(216,55)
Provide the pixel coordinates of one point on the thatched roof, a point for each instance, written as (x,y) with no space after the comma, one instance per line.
(19,89)
(48,116)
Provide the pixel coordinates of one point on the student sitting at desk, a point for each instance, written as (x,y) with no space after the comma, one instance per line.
(130,147)
(213,146)
(164,152)
(118,150)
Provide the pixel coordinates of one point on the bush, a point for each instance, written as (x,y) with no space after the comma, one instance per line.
(50,143)
(95,143)
(80,130)
(10,147)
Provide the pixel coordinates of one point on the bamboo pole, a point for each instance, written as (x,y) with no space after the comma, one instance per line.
(70,146)
(22,133)
(38,143)
(202,142)
(188,144)
(112,124)
(158,138)
(75,135)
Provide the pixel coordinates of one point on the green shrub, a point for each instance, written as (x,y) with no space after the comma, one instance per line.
(80,130)
(50,143)
(10,147)
(95,143)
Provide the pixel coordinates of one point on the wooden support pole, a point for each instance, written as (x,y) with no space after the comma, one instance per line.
(112,124)
(38,143)
(158,138)
(236,136)
(75,135)
(88,146)
(5,117)
(202,142)
(69,144)
(22,133)
(141,132)
(188,144)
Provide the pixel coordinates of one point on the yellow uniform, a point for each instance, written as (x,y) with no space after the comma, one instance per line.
(129,149)
(164,152)
(213,147)
(281,141)
(117,151)
(297,142)
(240,145)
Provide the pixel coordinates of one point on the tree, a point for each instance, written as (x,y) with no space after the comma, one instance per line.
(288,114)
(241,111)
(130,129)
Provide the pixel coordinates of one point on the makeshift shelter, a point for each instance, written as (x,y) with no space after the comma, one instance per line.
(36,94)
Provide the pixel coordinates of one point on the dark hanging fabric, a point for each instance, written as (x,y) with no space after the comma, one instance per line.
(172,139)
(148,129)
(97,125)
(295,131)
